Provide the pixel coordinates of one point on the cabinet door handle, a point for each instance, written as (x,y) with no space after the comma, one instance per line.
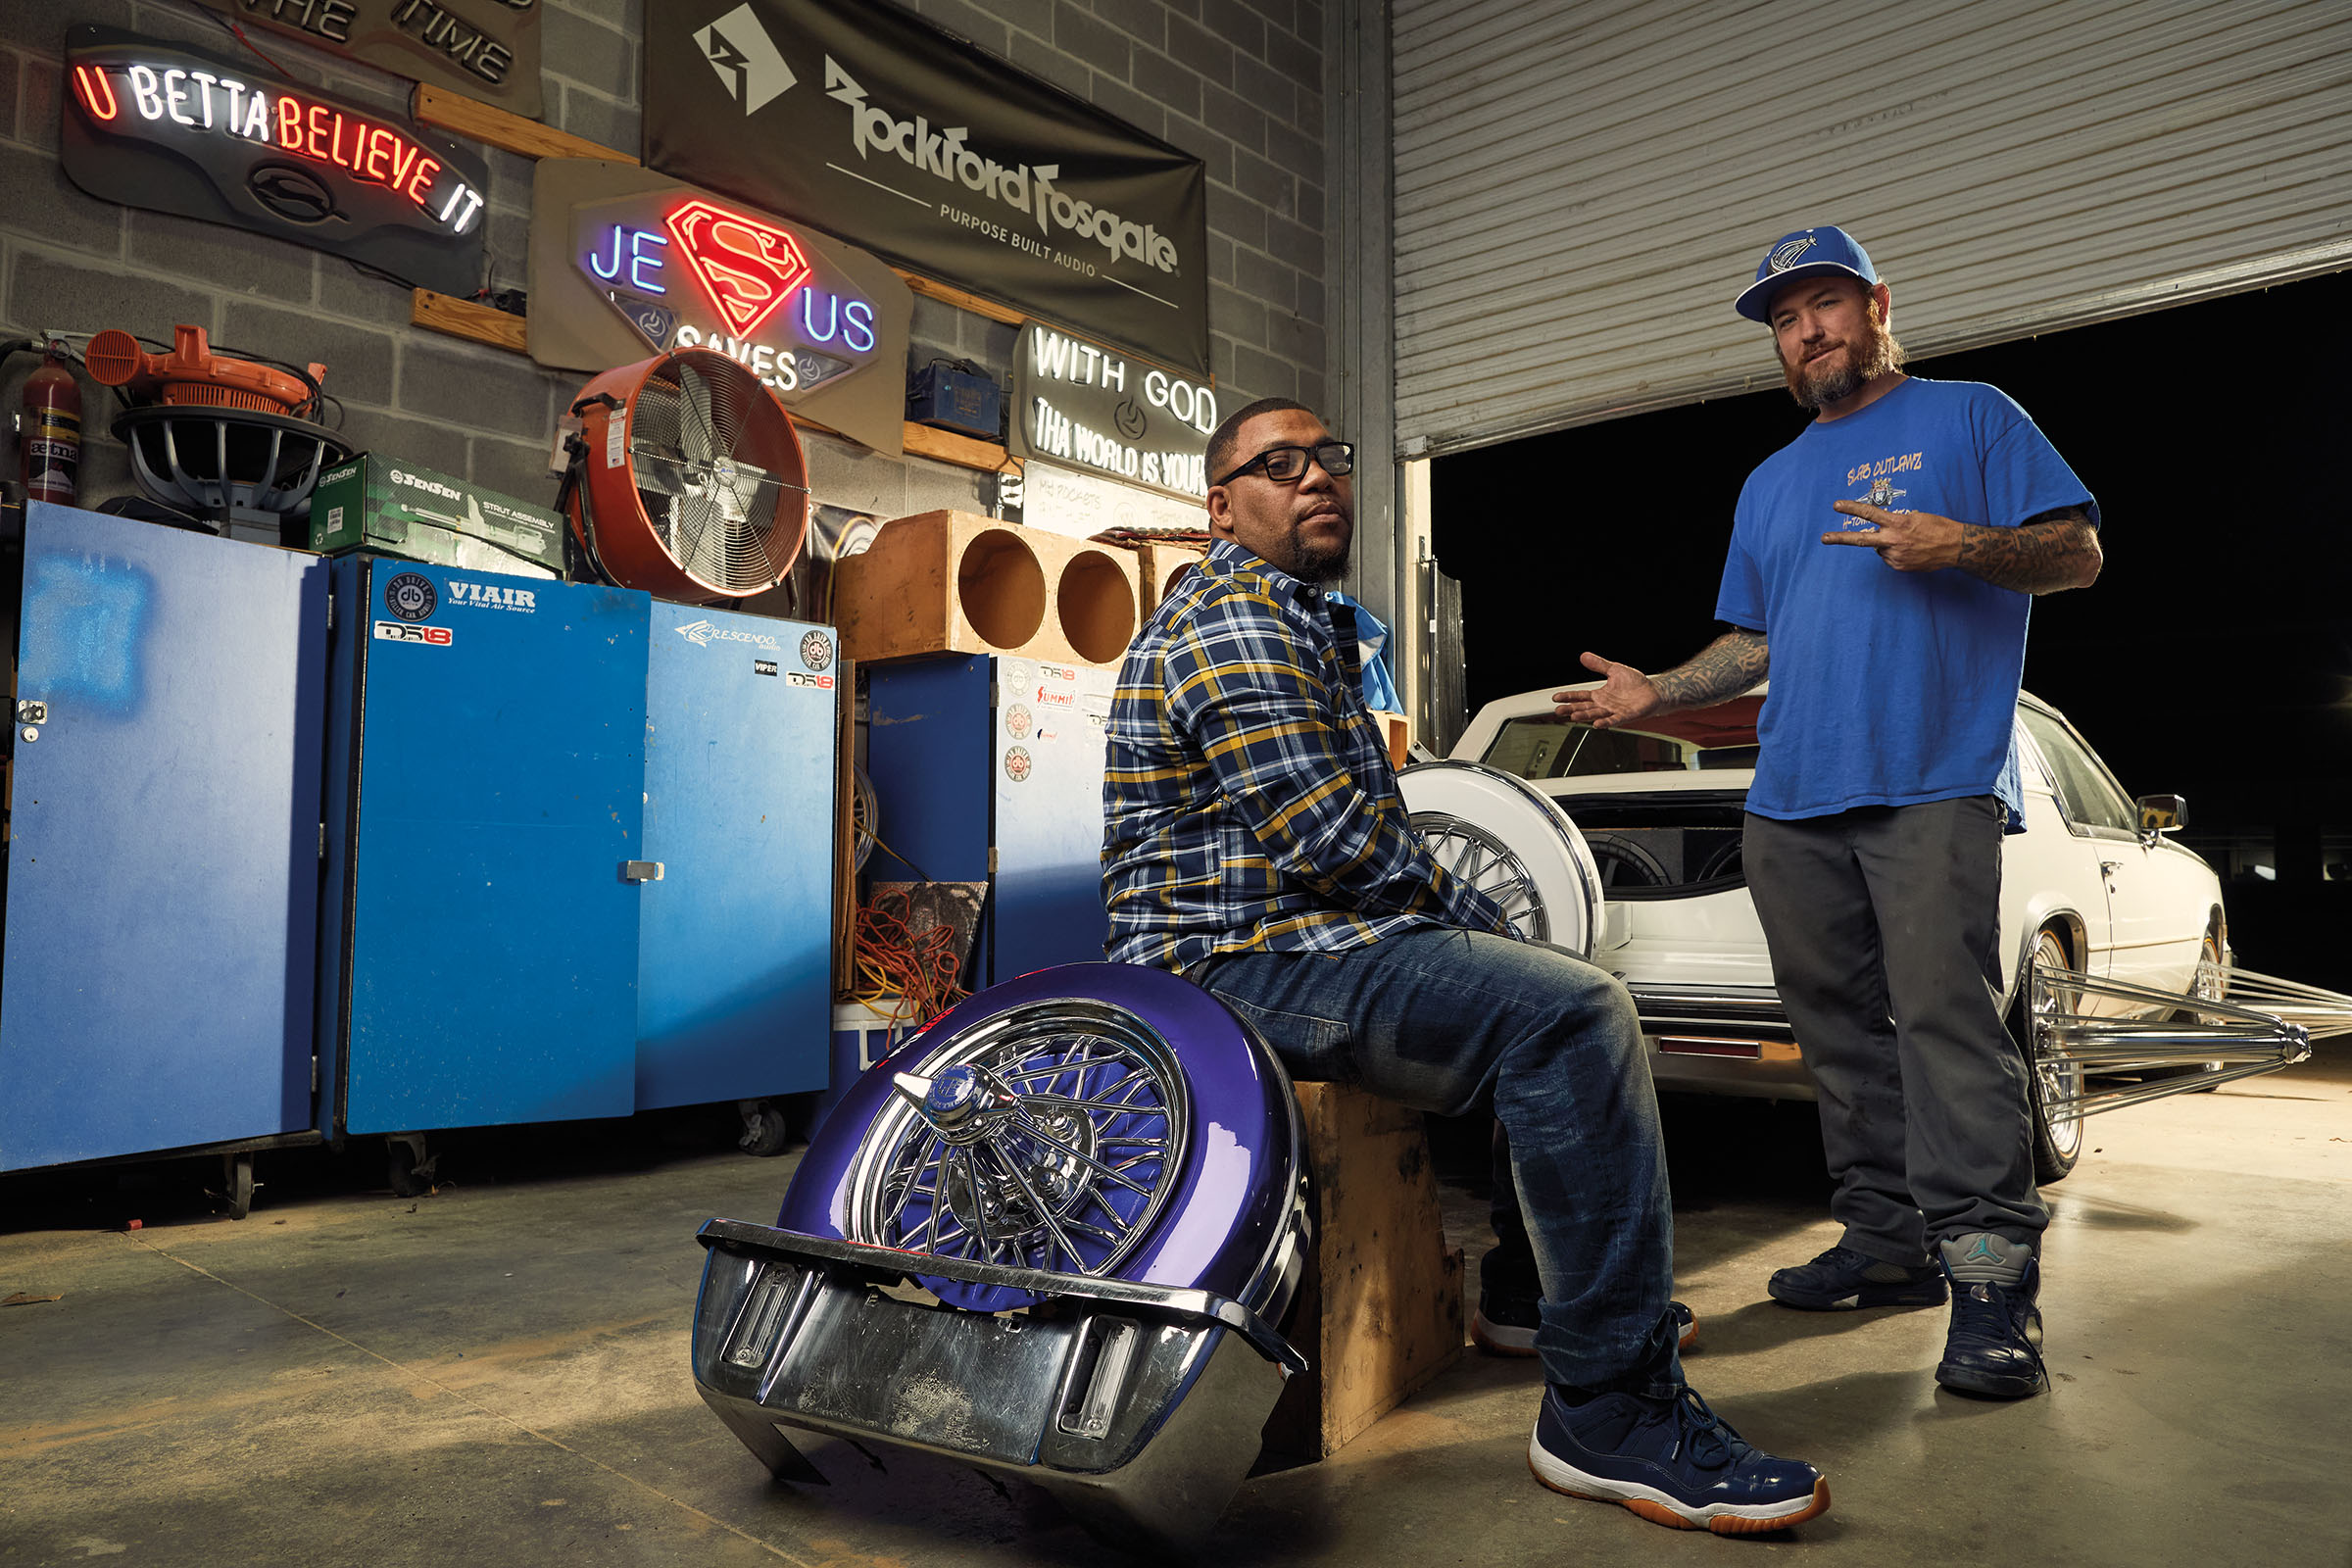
(641,870)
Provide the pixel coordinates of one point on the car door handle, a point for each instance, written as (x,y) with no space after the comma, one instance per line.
(2109,868)
(641,870)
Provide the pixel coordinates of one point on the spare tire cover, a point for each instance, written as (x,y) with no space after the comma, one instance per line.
(1513,843)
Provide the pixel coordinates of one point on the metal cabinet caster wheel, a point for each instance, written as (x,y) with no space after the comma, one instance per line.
(409,1168)
(766,1131)
(236,1183)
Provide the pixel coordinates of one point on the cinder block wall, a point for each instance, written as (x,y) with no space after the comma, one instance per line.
(1238,83)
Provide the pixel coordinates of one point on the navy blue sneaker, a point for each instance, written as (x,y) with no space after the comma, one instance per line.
(1994,1346)
(1841,1279)
(1506,1324)
(1673,1462)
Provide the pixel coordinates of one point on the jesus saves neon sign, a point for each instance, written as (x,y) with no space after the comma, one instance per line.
(767,308)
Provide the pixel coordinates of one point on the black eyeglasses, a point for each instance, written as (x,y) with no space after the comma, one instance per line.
(1288,465)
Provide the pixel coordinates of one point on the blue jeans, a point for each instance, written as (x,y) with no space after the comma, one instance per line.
(1454,1021)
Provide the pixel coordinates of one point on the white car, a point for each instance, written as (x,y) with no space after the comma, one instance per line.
(2125,928)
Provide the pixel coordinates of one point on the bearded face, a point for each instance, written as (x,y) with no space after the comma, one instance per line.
(1833,353)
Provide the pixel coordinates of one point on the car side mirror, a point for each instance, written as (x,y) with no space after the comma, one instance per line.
(2161,813)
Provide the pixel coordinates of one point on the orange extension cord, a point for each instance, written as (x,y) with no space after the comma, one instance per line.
(915,974)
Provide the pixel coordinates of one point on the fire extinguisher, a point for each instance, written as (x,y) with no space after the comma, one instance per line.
(49,430)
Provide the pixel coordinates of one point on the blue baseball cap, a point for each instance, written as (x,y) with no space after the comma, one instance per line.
(1807,253)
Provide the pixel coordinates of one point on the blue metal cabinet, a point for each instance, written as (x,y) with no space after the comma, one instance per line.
(486,799)
(1046,775)
(162,889)
(734,966)
(989,769)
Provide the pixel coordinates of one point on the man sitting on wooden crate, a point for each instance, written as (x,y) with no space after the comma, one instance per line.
(1254,841)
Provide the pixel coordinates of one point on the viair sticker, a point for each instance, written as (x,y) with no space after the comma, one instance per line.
(492,596)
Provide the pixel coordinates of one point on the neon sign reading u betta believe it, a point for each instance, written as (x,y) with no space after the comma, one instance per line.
(181,101)
(750,271)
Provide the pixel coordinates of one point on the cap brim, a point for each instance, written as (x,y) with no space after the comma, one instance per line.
(1755,300)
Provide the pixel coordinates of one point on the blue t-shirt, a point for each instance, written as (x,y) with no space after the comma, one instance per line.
(1890,688)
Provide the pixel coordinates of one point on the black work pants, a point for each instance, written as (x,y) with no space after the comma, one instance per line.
(1883,924)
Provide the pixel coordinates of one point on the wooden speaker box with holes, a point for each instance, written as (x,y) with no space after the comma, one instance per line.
(953,582)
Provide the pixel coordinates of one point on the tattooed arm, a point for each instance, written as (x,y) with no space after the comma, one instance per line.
(1732,663)
(2040,556)
(2047,552)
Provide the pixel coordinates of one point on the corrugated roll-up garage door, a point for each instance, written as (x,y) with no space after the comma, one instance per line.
(1582,188)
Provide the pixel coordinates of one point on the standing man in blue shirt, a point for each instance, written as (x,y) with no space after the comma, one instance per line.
(1254,841)
(1883,566)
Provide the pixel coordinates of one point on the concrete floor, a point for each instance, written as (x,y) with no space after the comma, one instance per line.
(497,1373)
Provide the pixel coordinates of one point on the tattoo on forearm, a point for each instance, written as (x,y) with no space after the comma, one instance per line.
(2056,550)
(1727,666)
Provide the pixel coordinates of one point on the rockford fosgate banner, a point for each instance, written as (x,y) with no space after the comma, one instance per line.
(861,120)
(486,49)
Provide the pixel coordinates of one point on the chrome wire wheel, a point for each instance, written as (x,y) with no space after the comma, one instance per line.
(1511,842)
(2209,984)
(1472,855)
(2057,1082)
(1050,1138)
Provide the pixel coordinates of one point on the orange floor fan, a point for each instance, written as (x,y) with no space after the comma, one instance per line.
(687,479)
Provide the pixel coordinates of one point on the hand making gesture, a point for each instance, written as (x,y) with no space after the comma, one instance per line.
(1625,694)
(1907,541)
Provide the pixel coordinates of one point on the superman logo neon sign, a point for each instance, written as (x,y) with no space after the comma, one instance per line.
(748,267)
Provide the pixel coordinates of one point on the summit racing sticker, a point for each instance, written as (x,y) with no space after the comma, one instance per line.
(402,632)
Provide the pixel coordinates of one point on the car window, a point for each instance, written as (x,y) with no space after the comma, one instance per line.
(1721,735)
(2088,791)
(1545,746)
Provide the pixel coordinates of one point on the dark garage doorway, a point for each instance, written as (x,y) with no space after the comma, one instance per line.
(2213,657)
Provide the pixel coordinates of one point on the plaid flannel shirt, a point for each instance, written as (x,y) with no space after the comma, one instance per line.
(1249,805)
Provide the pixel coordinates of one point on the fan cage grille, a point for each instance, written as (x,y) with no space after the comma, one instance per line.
(715,464)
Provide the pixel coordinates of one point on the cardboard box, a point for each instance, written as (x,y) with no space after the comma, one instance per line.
(380,503)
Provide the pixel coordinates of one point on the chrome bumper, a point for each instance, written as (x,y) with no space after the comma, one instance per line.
(1137,1406)
(1742,1012)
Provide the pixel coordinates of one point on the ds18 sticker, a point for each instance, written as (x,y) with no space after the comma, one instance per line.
(401,631)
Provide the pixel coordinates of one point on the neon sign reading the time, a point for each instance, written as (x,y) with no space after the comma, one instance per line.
(209,102)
